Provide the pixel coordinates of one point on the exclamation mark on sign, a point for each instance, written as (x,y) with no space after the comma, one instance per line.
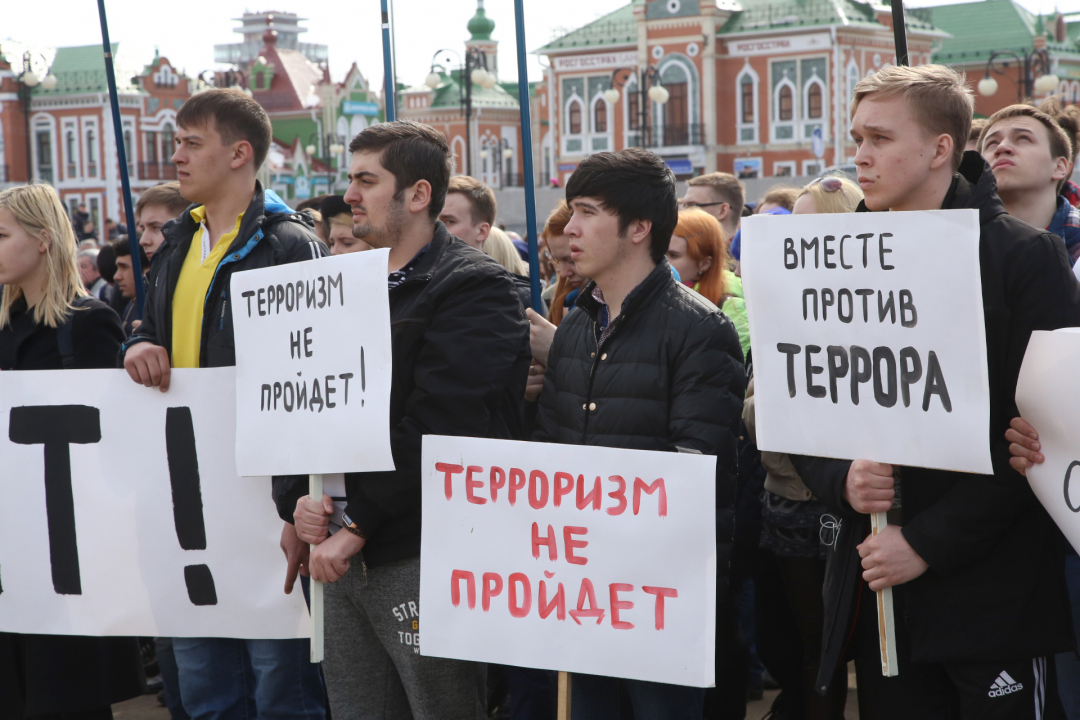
(187,501)
(363,379)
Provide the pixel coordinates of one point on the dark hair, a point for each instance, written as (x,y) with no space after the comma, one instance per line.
(636,185)
(482,205)
(235,117)
(411,151)
(106,262)
(122,248)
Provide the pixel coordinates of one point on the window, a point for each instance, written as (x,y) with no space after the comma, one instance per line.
(69,153)
(128,151)
(600,117)
(44,155)
(151,147)
(786,112)
(633,100)
(746,88)
(813,103)
(167,148)
(575,118)
(91,157)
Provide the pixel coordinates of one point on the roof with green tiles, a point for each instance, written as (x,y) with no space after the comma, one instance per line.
(759,15)
(979,28)
(615,28)
(448,94)
(81,69)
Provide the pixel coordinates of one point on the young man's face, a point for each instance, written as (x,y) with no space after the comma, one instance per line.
(702,196)
(595,245)
(457,216)
(896,154)
(149,224)
(342,241)
(377,217)
(125,277)
(203,162)
(1018,151)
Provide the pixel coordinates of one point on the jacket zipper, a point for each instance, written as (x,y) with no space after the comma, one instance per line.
(224,304)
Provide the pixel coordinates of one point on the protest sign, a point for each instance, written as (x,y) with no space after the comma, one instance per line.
(125,515)
(1048,400)
(867,336)
(313,363)
(564,557)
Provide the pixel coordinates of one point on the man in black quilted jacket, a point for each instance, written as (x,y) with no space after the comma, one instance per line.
(648,365)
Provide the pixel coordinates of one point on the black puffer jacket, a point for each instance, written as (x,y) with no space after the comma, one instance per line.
(669,375)
(996,586)
(460,344)
(270,234)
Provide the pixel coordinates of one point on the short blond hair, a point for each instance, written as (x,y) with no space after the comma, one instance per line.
(38,211)
(483,207)
(1060,144)
(726,186)
(344,219)
(938,96)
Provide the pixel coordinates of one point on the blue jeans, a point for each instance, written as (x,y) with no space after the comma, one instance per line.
(597,698)
(1068,663)
(229,679)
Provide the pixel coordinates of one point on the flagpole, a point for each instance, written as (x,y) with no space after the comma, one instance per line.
(389,85)
(527,158)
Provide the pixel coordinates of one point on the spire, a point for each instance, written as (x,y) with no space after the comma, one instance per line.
(480,26)
(1040,26)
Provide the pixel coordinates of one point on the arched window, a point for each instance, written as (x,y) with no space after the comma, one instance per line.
(813,101)
(575,118)
(786,111)
(600,116)
(69,152)
(746,99)
(91,157)
(167,148)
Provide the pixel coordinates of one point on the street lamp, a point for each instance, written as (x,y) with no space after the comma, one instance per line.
(648,80)
(491,148)
(28,80)
(473,71)
(333,143)
(1036,77)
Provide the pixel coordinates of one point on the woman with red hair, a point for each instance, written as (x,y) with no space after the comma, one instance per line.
(699,253)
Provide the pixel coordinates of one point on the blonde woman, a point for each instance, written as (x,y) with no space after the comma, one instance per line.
(43,302)
(499,246)
(828,195)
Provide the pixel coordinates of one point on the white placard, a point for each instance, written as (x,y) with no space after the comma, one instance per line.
(514,542)
(1047,399)
(313,366)
(868,338)
(128,492)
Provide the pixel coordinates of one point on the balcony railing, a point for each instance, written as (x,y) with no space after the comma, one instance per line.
(668,136)
(157,171)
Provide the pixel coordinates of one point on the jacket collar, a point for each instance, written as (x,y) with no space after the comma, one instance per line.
(429,261)
(973,186)
(640,297)
(265,204)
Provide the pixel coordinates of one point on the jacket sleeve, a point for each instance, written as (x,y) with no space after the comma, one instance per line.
(96,336)
(826,478)
(545,415)
(460,378)
(147,331)
(964,524)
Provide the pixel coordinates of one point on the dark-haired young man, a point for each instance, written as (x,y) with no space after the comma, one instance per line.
(648,365)
(460,357)
(124,278)
(222,138)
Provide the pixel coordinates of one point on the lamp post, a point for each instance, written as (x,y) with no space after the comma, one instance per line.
(1035,78)
(648,82)
(28,80)
(498,150)
(472,71)
(333,144)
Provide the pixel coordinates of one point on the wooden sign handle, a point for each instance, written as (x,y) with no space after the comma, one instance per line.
(563,700)
(886,618)
(315,490)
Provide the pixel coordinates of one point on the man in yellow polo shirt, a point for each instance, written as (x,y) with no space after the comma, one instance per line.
(222,138)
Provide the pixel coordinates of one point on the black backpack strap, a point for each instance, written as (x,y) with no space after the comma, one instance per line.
(63,335)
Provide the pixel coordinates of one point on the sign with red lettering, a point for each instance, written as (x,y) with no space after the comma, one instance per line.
(567,557)
(868,338)
(312,358)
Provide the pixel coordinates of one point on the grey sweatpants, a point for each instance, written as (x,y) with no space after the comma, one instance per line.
(372,662)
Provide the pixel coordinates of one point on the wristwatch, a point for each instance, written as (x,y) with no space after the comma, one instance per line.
(349,525)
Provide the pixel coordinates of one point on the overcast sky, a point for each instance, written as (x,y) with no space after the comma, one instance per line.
(187,31)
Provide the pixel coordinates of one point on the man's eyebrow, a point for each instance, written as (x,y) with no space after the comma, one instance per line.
(877,128)
(587,203)
(362,173)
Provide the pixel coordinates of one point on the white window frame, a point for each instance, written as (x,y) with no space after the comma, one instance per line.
(47,123)
(775,122)
(593,134)
(807,166)
(805,120)
(755,81)
(628,133)
(583,134)
(86,125)
(790,164)
(75,159)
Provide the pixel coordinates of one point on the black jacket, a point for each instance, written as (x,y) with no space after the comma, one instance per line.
(996,586)
(460,344)
(44,674)
(669,375)
(270,234)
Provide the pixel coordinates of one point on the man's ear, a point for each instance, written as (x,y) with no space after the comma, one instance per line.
(639,231)
(483,231)
(1061,169)
(242,153)
(943,151)
(418,197)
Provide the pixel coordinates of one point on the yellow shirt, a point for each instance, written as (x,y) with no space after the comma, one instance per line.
(189,297)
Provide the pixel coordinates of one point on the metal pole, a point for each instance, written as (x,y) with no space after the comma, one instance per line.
(527,157)
(390,86)
(900,32)
(25,97)
(121,153)
(466,78)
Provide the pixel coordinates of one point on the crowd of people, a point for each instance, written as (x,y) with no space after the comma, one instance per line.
(641,342)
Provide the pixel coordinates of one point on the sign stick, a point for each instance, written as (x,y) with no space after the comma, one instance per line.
(315,490)
(562,702)
(886,618)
